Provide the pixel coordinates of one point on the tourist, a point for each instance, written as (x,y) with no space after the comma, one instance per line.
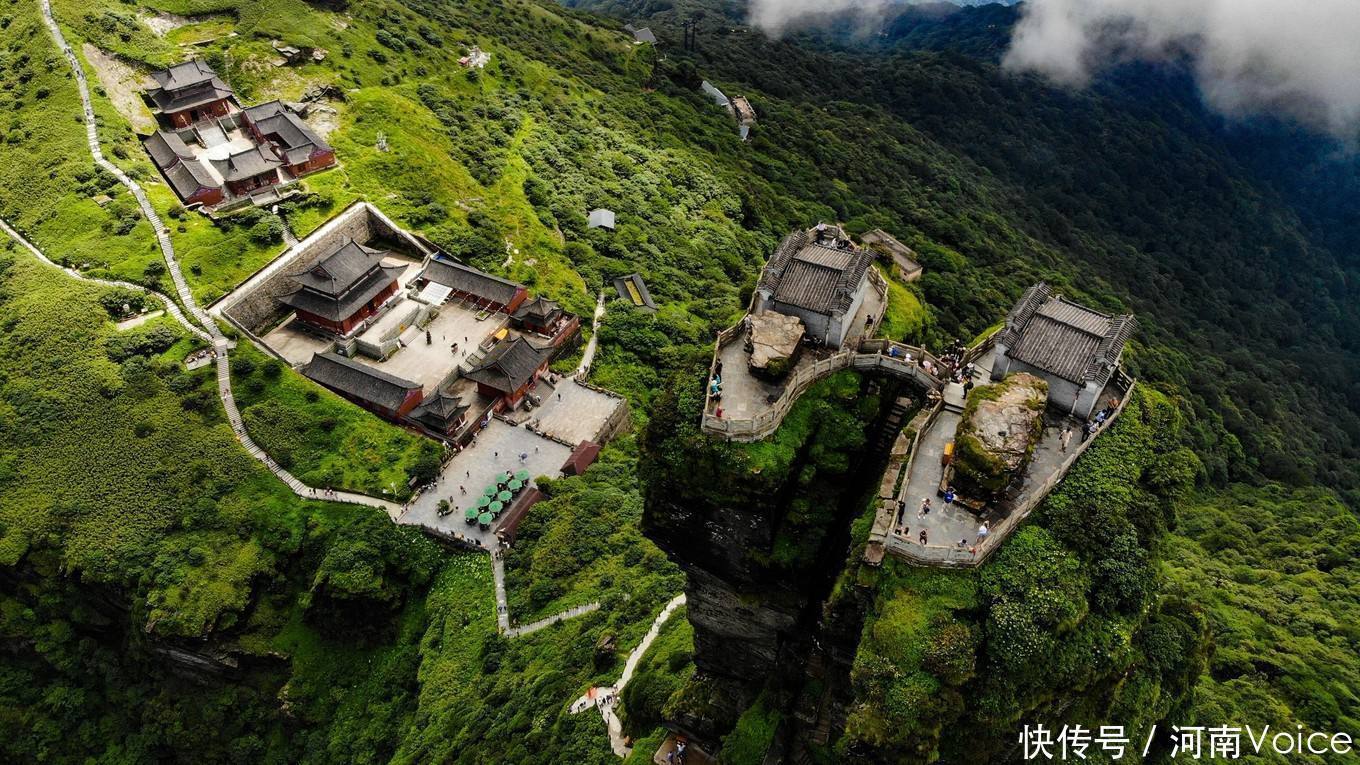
(925,508)
(923,537)
(718,413)
(967,386)
(950,495)
(963,543)
(1066,437)
(982,533)
(901,512)
(462,489)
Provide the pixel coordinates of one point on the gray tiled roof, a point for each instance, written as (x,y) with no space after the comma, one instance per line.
(358,380)
(540,309)
(464,278)
(295,137)
(184,74)
(188,98)
(166,148)
(254,161)
(342,306)
(510,366)
(189,176)
(440,409)
(814,276)
(336,272)
(1065,339)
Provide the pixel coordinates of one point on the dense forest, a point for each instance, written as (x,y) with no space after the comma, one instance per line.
(162,598)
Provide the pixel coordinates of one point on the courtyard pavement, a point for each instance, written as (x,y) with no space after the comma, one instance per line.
(572,412)
(496,449)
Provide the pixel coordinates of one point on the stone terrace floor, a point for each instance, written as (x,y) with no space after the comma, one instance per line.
(946,527)
(744,395)
(571,411)
(496,449)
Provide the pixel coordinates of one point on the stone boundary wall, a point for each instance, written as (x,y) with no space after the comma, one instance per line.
(255,304)
(765,423)
(951,556)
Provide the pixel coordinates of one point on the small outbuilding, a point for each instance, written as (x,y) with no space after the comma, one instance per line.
(634,290)
(601,218)
(581,458)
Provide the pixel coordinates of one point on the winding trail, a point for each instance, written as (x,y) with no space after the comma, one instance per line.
(207,329)
(503,606)
(588,357)
(594,698)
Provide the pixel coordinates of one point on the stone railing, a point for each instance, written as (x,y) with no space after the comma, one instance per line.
(954,555)
(802,378)
(887,506)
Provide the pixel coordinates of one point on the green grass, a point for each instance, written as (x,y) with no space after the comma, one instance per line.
(906,318)
(322,439)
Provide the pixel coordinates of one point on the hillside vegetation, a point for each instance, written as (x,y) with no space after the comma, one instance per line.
(139,544)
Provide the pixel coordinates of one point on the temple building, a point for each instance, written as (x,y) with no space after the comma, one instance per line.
(301,149)
(373,389)
(249,170)
(190,92)
(510,371)
(820,277)
(442,414)
(487,292)
(182,170)
(1075,348)
(344,288)
(541,316)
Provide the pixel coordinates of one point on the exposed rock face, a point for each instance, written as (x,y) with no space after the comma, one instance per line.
(757,574)
(1001,425)
(773,341)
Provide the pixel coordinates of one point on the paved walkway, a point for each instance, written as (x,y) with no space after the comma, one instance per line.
(588,357)
(604,698)
(947,526)
(207,330)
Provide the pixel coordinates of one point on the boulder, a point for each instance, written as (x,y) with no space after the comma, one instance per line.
(1001,425)
(774,340)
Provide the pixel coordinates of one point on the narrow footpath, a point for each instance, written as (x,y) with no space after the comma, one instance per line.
(588,357)
(208,331)
(604,698)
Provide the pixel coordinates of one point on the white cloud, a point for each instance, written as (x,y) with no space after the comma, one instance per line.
(1298,58)
(775,17)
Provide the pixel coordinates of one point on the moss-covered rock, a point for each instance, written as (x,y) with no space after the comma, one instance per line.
(1000,427)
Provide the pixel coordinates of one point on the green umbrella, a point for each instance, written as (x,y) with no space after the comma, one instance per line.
(522,475)
(516,485)
(484,519)
(483,501)
(503,477)
(496,508)
(504,496)
(470,514)
(490,491)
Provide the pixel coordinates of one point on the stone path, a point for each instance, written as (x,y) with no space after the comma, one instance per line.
(611,721)
(208,331)
(503,606)
(583,369)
